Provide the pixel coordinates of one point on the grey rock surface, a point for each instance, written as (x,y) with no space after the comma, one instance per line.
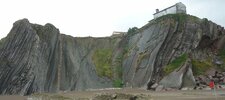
(181,77)
(35,58)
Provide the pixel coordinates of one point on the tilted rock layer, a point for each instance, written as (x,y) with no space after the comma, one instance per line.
(35,58)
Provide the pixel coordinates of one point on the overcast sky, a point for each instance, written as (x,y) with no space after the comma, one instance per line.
(99,18)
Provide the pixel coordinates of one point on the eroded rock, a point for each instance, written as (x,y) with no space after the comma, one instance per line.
(35,58)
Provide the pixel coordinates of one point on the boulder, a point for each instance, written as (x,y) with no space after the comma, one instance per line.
(181,77)
(159,88)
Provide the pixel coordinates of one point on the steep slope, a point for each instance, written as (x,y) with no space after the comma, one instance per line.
(170,43)
(35,58)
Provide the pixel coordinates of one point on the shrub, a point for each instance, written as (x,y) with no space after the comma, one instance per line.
(132,31)
(118,83)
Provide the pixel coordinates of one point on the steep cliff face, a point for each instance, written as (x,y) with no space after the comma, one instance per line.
(28,58)
(35,58)
(167,47)
(38,58)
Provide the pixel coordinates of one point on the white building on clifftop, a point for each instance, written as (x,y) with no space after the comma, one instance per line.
(177,8)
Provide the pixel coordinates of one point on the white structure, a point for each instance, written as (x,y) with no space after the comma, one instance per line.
(177,8)
(118,34)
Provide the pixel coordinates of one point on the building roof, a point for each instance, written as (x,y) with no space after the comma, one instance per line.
(166,8)
(117,32)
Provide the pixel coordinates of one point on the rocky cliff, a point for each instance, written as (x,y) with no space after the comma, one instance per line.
(169,50)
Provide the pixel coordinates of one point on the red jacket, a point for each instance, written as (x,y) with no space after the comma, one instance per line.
(211,84)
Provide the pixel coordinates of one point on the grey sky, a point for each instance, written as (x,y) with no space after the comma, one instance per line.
(99,17)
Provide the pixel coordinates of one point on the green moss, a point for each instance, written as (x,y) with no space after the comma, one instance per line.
(200,67)
(176,63)
(102,59)
(118,83)
(179,17)
(117,71)
(118,68)
(194,19)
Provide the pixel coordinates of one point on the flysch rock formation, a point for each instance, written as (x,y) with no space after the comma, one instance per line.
(35,58)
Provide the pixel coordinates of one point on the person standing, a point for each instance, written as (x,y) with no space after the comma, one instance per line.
(211,84)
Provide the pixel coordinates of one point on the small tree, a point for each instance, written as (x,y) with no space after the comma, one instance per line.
(132,31)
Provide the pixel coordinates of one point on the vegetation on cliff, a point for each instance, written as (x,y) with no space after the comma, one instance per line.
(132,31)
(102,59)
(181,18)
(200,67)
(117,81)
(176,63)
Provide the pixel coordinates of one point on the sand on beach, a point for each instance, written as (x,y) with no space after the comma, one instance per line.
(151,95)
